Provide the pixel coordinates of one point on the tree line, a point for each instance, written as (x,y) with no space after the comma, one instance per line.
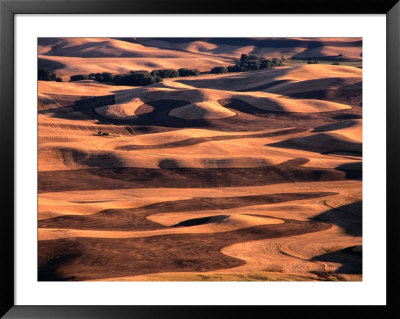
(140,78)
(44,75)
(249,63)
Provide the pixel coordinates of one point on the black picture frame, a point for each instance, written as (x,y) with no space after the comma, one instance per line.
(8,8)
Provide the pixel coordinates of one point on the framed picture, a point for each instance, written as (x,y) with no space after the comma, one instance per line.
(165,158)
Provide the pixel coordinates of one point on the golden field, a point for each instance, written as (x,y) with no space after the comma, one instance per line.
(223,177)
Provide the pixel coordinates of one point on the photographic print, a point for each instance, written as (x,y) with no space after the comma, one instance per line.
(200,159)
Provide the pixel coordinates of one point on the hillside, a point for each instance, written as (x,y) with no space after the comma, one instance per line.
(247,176)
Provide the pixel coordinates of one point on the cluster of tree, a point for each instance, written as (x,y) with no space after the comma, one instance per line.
(249,63)
(166,73)
(188,72)
(139,78)
(253,62)
(44,75)
(312,61)
(136,78)
(219,69)
(99,77)
(171,73)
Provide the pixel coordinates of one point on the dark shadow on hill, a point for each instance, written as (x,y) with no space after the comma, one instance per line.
(88,50)
(202,221)
(136,218)
(259,42)
(322,143)
(198,140)
(168,164)
(339,90)
(263,87)
(153,116)
(290,118)
(244,107)
(348,217)
(347,116)
(185,177)
(51,263)
(335,126)
(97,258)
(90,159)
(153,113)
(50,65)
(344,96)
(352,170)
(350,258)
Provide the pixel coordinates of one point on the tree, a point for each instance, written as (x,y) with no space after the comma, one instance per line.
(78,77)
(107,77)
(165,73)
(252,57)
(188,72)
(243,58)
(44,75)
(252,65)
(265,64)
(136,78)
(100,77)
(219,69)
(276,62)
(235,68)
